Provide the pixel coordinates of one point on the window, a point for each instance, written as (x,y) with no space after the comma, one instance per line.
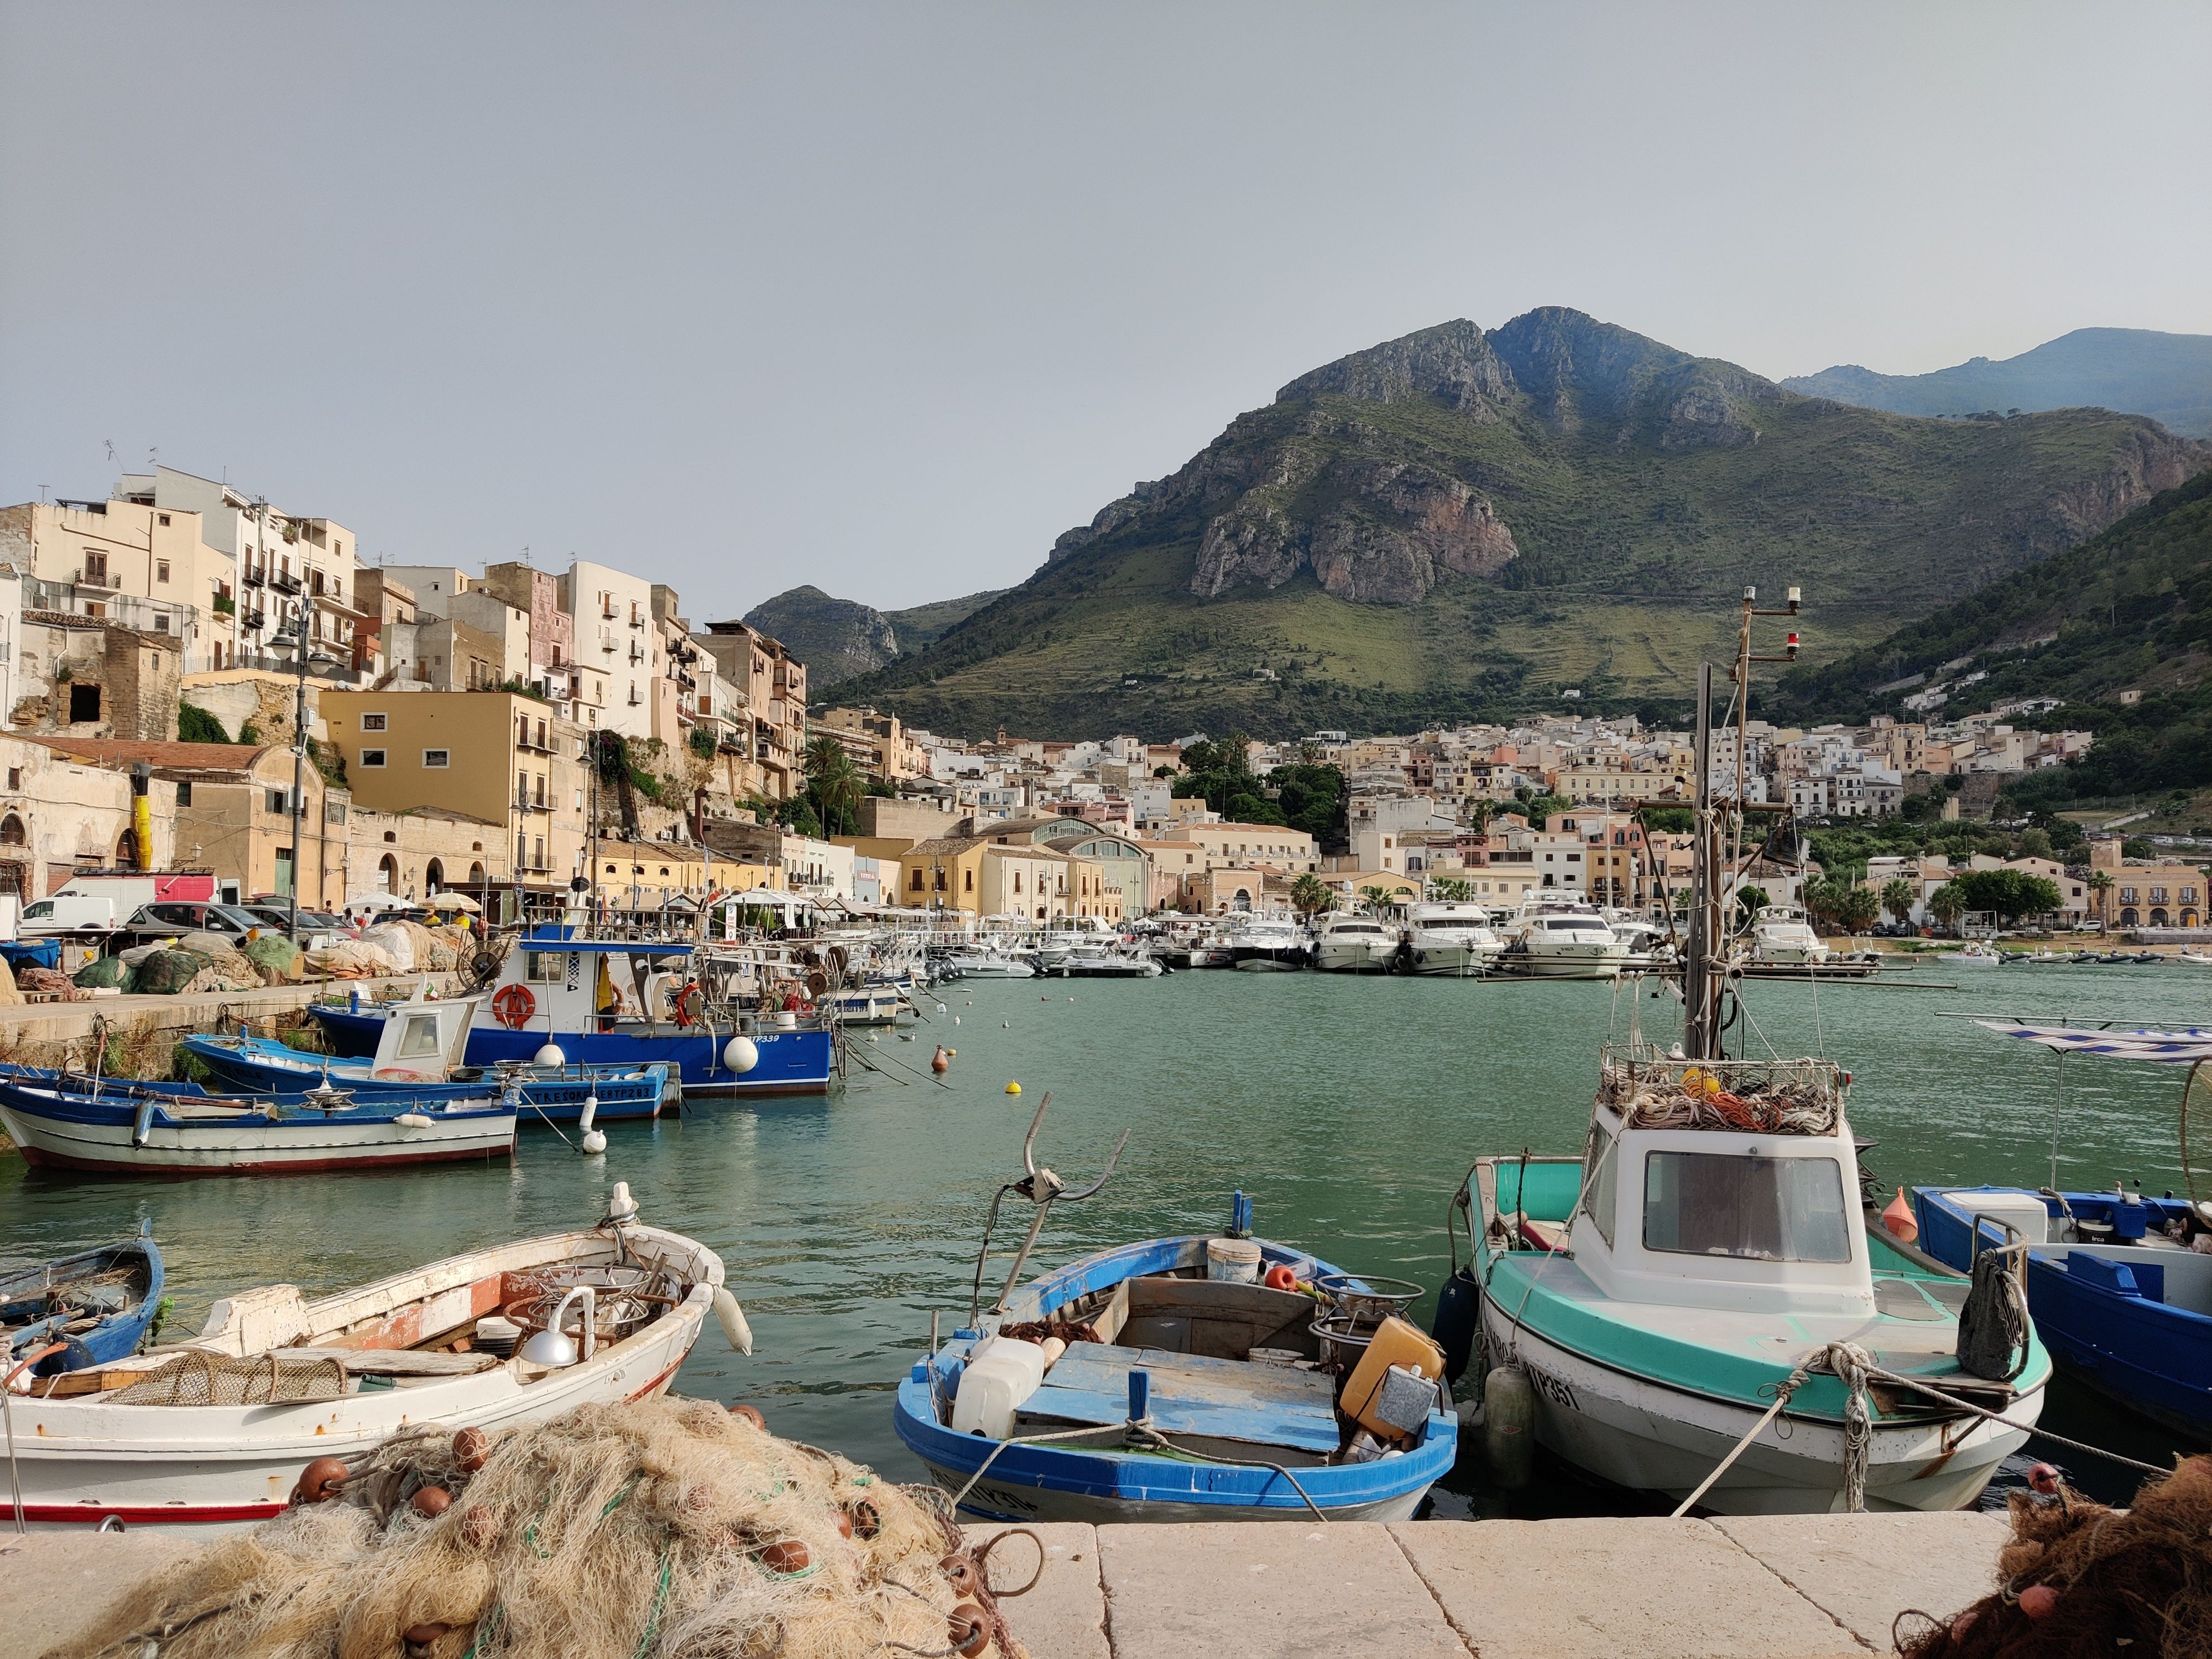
(164,518)
(1599,1158)
(372,757)
(914,879)
(1767,1209)
(279,801)
(161,622)
(372,722)
(183,794)
(969,885)
(419,1041)
(437,759)
(84,703)
(161,570)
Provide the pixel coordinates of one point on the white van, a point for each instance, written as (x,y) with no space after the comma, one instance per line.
(67,913)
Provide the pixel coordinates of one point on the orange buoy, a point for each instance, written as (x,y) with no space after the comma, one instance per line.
(1898,1218)
(431,1501)
(1280,1278)
(2038,1602)
(471,1449)
(320,1481)
(940,1062)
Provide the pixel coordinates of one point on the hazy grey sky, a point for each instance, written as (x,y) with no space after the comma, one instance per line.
(884,298)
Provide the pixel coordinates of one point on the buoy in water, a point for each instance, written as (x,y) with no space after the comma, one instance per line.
(1013,1088)
(940,1062)
(1508,1426)
(1898,1219)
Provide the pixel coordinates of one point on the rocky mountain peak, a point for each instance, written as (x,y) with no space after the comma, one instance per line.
(1582,374)
(1452,363)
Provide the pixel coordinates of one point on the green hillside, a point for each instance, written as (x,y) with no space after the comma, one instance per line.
(2129,611)
(1457,524)
(923,625)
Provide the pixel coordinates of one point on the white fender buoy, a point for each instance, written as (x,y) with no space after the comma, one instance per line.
(741,1054)
(1508,1426)
(551,1054)
(412,1120)
(733,1318)
(593,1140)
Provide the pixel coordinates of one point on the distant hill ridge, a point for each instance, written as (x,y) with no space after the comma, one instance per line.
(1462,524)
(2138,371)
(838,638)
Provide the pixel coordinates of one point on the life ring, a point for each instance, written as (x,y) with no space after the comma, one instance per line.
(691,1002)
(513,1006)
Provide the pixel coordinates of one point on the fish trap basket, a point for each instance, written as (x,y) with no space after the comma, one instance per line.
(1762,1097)
(198,1378)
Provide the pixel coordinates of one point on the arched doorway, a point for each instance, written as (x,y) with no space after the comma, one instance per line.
(12,833)
(126,851)
(476,875)
(387,874)
(434,877)
(2158,918)
(2190,919)
(2127,917)
(14,873)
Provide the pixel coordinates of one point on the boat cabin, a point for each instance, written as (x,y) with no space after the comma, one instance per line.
(571,985)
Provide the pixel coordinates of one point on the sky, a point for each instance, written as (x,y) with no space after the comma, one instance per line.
(884,298)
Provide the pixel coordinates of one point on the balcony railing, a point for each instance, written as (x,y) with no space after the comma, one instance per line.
(98,581)
(284,582)
(252,576)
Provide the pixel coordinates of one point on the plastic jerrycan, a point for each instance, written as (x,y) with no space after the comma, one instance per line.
(998,1380)
(1397,1342)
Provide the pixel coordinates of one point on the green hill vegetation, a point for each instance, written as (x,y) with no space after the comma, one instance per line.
(2129,612)
(1459,524)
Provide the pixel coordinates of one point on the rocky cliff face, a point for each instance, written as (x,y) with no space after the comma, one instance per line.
(836,638)
(1581,376)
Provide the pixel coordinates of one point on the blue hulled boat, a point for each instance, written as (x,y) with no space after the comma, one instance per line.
(90,1309)
(2117,1296)
(623,1004)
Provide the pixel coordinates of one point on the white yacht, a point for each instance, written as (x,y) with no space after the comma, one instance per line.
(1562,935)
(1451,938)
(1098,959)
(1265,944)
(984,961)
(1649,945)
(1353,945)
(1781,934)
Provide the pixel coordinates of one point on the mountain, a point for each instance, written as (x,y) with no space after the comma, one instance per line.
(837,639)
(2129,610)
(1460,524)
(2168,377)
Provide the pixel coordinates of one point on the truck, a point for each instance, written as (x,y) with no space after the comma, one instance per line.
(101,901)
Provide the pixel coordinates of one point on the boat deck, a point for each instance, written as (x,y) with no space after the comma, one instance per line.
(1220,1399)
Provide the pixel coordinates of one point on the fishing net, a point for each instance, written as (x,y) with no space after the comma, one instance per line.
(1791,1096)
(667,1530)
(194,1377)
(2078,1577)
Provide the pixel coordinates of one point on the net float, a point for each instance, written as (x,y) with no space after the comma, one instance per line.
(1280,1278)
(479,1527)
(2038,1602)
(319,1481)
(431,1501)
(844,1523)
(471,1449)
(786,1555)
(968,1629)
(751,1413)
(960,1572)
(421,1639)
(2044,1478)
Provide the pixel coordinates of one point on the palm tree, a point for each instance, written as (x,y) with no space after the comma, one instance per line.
(836,784)
(1309,895)
(1898,896)
(1857,909)
(1947,903)
(2101,884)
(1377,897)
(1450,889)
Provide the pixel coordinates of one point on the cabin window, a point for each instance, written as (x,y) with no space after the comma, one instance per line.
(419,1040)
(1601,1166)
(546,967)
(1767,1209)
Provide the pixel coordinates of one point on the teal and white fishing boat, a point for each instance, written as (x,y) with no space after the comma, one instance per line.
(1696,1305)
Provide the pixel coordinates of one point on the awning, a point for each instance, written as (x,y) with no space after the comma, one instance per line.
(2182,1048)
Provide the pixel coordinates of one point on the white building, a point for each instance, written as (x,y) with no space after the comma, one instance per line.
(615,630)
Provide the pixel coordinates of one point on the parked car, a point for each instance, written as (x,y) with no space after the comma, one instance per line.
(151,922)
(317,927)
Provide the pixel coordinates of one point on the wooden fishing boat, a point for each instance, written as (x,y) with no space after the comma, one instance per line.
(218,1430)
(421,1054)
(84,1309)
(116,1127)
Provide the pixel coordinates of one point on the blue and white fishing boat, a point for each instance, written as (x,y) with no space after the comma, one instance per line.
(419,1056)
(116,1127)
(83,1309)
(1177,1379)
(2119,1284)
(559,998)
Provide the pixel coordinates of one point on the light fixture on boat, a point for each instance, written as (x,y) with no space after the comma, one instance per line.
(553,1346)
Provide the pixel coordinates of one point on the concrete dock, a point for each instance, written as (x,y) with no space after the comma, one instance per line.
(35,1033)
(1773,1587)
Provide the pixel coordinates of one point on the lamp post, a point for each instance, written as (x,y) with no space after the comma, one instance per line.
(296,643)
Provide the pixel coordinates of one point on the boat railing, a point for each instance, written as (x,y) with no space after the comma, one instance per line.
(1651,1090)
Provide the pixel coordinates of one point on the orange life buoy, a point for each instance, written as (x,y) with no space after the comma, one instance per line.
(513,1006)
(690,1003)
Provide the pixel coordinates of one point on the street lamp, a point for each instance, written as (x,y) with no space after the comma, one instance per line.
(295,642)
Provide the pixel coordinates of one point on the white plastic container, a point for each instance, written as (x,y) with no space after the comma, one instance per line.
(1234,1260)
(995,1384)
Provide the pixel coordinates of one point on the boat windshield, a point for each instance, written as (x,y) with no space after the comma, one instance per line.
(1770,1209)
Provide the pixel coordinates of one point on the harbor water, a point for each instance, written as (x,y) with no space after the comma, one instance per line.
(1348,1109)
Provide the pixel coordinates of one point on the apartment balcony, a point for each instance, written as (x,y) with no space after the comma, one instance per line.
(284,582)
(252,621)
(251,576)
(99,582)
(524,804)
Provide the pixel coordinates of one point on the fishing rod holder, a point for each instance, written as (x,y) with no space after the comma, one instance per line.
(1043,1188)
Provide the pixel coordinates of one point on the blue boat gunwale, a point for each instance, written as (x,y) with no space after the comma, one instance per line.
(116,1336)
(58,1105)
(1136,1476)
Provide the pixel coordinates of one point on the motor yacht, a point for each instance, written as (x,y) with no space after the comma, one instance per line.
(1451,938)
(1563,936)
(1351,944)
(1781,934)
(1649,947)
(1263,944)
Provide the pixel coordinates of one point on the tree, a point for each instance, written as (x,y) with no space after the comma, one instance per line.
(1947,904)
(2010,894)
(2101,884)
(1749,902)
(834,787)
(1377,897)
(1311,896)
(1857,908)
(1897,898)
(1450,890)
(2034,843)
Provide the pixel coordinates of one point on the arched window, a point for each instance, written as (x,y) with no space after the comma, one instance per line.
(387,874)
(2127,917)
(476,875)
(126,851)
(434,877)
(12,833)
(2158,918)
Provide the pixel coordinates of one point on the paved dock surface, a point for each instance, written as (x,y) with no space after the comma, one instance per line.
(1770,1586)
(29,1027)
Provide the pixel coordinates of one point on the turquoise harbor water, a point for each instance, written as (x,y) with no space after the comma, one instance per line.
(1348,1109)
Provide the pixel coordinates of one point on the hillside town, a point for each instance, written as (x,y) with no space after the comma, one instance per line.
(165,643)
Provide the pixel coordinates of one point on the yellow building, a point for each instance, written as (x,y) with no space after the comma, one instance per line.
(500,759)
(966,872)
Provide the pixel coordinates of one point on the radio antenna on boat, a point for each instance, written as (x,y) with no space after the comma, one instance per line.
(1044,1189)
